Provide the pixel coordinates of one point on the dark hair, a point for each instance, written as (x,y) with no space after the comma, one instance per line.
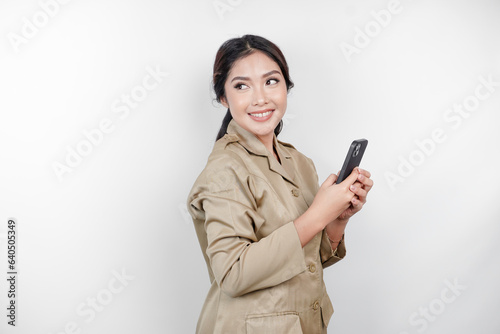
(235,49)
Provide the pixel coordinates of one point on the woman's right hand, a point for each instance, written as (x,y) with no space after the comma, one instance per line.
(332,199)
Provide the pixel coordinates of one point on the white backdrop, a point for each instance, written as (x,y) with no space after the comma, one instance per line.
(100,100)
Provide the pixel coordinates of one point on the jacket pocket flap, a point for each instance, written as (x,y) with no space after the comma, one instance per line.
(274,323)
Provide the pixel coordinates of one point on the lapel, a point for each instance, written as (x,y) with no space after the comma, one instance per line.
(254,146)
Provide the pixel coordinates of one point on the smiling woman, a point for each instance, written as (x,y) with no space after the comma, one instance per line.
(225,64)
(256,102)
(265,227)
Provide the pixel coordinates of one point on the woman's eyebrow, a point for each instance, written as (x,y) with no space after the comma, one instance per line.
(264,75)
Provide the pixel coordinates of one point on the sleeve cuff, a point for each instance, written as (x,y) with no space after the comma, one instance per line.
(328,255)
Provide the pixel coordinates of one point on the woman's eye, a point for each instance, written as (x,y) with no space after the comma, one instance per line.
(273,81)
(241,86)
(238,85)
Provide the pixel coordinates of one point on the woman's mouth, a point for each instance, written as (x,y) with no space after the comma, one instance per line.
(261,116)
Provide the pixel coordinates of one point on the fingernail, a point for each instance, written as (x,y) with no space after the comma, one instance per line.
(360,176)
(353,187)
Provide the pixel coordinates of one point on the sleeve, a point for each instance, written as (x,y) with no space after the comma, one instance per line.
(241,263)
(328,255)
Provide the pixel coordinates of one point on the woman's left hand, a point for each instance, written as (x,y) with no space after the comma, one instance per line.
(360,188)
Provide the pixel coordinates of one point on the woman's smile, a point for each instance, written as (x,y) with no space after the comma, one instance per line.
(261,116)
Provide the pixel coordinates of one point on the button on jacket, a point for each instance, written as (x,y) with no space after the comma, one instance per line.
(243,205)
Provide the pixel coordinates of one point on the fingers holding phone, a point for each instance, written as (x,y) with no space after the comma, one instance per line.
(345,194)
(364,178)
(357,179)
(332,199)
(360,188)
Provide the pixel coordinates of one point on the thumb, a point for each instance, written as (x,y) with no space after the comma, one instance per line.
(352,177)
(329,180)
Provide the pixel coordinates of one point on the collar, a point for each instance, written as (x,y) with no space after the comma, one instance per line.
(235,133)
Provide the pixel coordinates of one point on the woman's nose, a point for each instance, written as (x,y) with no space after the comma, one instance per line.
(259,97)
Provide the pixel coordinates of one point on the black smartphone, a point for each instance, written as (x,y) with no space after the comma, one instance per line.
(353,158)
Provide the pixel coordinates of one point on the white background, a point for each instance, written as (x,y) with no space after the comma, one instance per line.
(122,207)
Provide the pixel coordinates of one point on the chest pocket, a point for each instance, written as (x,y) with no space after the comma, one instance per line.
(274,323)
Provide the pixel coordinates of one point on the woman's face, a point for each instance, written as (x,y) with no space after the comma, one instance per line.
(255,93)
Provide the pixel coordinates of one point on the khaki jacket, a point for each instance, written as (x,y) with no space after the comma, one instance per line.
(243,205)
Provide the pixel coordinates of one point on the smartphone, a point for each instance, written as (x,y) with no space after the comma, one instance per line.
(353,158)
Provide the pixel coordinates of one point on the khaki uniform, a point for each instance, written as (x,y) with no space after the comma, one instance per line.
(243,205)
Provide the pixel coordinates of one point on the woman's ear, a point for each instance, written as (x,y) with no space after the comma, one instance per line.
(224,102)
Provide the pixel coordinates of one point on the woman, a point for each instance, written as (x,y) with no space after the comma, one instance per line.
(265,227)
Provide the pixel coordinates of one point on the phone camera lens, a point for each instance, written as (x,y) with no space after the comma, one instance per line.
(356,150)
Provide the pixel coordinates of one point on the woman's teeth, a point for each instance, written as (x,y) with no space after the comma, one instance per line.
(264,114)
